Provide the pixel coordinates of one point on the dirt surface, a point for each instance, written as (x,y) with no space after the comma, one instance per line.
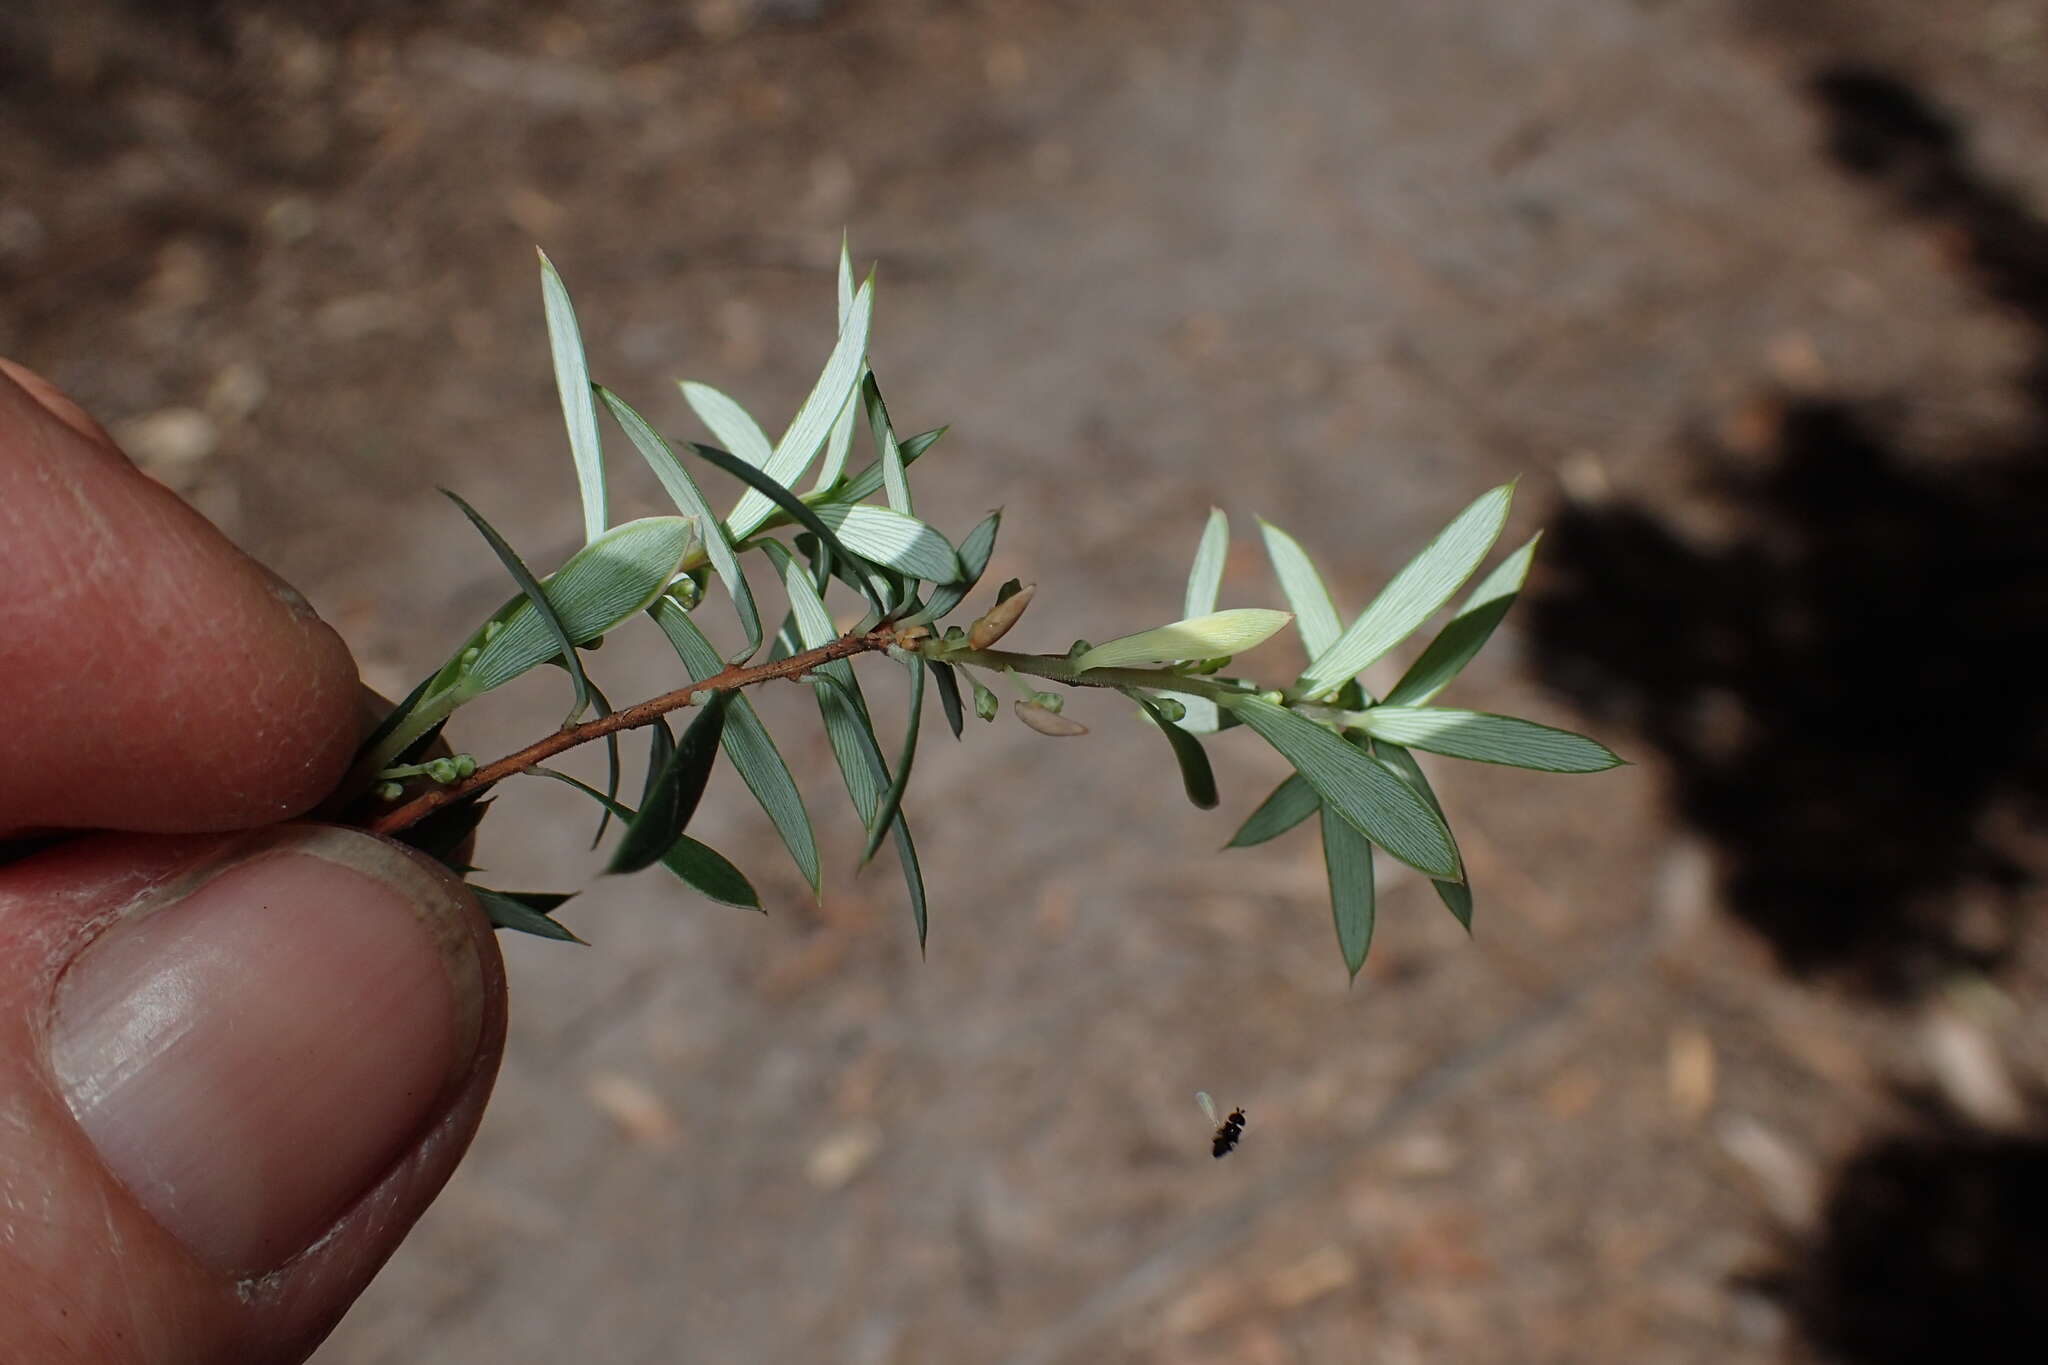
(1740,1062)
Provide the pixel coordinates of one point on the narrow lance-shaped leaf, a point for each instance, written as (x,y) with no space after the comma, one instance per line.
(949,694)
(683,491)
(732,424)
(845,280)
(974,557)
(837,447)
(1204,637)
(1206,577)
(604,583)
(1315,615)
(611,761)
(538,600)
(1456,896)
(698,866)
(804,515)
(870,476)
(1425,584)
(888,453)
(1347,859)
(747,743)
(672,798)
(1376,803)
(1468,631)
(572,380)
(1292,802)
(661,747)
(893,540)
(892,800)
(1486,738)
(807,431)
(526,912)
(1196,776)
(847,727)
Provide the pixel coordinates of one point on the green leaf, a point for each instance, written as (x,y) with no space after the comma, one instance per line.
(538,600)
(949,694)
(673,795)
(974,557)
(602,584)
(732,424)
(611,762)
(1315,615)
(1486,738)
(683,491)
(1376,803)
(889,453)
(747,743)
(808,430)
(804,515)
(572,380)
(1414,595)
(1347,858)
(1206,577)
(893,540)
(845,280)
(708,872)
(1456,896)
(699,867)
(870,477)
(837,447)
(919,444)
(847,726)
(892,800)
(527,912)
(1467,632)
(661,747)
(1196,776)
(1292,802)
(1203,637)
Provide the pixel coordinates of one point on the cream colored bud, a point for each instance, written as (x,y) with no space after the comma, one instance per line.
(996,624)
(1046,722)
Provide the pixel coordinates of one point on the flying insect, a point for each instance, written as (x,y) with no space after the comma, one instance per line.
(1228,1131)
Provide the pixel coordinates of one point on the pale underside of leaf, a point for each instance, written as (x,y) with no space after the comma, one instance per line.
(747,744)
(1205,577)
(812,424)
(1315,615)
(572,382)
(1485,738)
(1414,595)
(1203,637)
(604,583)
(683,491)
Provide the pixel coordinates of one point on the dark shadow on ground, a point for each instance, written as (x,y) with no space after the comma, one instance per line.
(1842,684)
(1933,1246)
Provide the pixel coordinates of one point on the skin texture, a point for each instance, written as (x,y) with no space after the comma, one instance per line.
(215,1178)
(134,638)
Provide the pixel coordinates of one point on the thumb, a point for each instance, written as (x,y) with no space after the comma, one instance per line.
(233,1071)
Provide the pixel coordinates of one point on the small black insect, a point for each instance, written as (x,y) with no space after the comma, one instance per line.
(1228,1131)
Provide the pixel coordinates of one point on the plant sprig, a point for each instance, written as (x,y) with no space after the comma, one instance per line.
(1351,752)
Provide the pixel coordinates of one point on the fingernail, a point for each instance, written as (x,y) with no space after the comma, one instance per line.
(252,1050)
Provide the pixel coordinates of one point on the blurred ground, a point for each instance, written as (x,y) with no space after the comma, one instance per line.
(1741,1061)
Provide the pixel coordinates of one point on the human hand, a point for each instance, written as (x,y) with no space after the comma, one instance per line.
(238,1058)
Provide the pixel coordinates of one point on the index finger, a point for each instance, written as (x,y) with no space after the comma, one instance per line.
(152,676)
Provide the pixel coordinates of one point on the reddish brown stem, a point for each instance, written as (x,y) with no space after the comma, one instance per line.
(730,680)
